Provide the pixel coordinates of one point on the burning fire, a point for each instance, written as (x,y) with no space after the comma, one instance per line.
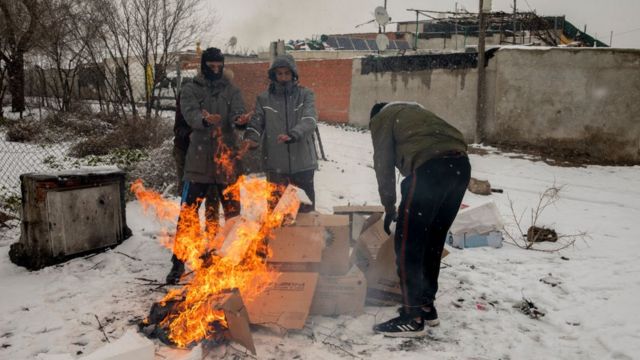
(234,258)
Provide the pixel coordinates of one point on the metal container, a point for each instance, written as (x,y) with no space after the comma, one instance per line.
(68,214)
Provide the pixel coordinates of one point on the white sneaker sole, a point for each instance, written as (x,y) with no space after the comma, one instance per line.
(432,323)
(405,334)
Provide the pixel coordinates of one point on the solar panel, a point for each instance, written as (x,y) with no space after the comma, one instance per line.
(372,45)
(392,45)
(332,41)
(359,44)
(344,43)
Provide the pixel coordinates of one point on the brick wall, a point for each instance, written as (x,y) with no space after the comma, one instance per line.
(251,78)
(330,80)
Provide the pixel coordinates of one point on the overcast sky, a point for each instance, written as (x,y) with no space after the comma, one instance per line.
(257,22)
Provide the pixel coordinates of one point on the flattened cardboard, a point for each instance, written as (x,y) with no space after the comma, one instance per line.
(361,257)
(296,248)
(383,283)
(227,238)
(373,234)
(340,295)
(288,205)
(286,302)
(366,209)
(237,319)
(335,255)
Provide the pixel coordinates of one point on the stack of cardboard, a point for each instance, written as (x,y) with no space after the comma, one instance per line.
(316,277)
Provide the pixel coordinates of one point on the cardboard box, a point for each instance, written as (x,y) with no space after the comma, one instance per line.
(357,216)
(340,295)
(286,302)
(296,248)
(335,255)
(383,283)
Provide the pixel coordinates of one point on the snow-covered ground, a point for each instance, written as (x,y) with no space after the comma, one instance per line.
(590,314)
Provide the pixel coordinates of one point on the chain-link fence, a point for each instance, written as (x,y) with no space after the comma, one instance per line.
(19,158)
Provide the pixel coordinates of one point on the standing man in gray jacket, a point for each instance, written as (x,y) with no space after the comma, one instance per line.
(212,107)
(285,120)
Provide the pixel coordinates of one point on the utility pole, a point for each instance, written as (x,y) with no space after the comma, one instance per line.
(482,78)
(415,42)
(515,14)
(456,24)
(384,27)
(611,39)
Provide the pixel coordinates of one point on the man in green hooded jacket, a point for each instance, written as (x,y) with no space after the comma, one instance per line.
(432,156)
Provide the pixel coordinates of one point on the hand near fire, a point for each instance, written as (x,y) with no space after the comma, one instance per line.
(244,118)
(211,119)
(284,139)
(245,147)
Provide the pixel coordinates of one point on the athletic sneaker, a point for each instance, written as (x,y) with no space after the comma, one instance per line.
(430,316)
(402,326)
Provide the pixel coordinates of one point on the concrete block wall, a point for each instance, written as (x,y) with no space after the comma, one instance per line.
(450,94)
(582,100)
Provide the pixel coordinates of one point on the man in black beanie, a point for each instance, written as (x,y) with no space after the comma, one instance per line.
(212,107)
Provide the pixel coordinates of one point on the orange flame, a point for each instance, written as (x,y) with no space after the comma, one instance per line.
(225,157)
(236,258)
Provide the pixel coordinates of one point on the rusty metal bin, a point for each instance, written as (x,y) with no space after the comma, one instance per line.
(69,214)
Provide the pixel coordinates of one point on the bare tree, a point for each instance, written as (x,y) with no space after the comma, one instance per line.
(63,46)
(18,23)
(3,83)
(136,35)
(162,28)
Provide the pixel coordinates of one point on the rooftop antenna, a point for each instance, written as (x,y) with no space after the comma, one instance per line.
(380,16)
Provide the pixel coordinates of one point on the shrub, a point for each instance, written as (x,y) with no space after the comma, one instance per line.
(158,170)
(25,130)
(130,133)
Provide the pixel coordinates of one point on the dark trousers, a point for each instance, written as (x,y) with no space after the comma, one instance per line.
(431,197)
(179,156)
(194,193)
(303,180)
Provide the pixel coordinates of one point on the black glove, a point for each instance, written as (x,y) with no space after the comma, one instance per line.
(389,217)
(291,140)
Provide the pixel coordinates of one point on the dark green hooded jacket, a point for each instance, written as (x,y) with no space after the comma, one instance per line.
(205,153)
(405,136)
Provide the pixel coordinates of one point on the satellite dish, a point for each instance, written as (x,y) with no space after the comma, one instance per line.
(381,16)
(232,41)
(382,41)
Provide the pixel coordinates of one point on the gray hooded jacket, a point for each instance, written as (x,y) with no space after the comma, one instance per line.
(285,109)
(207,159)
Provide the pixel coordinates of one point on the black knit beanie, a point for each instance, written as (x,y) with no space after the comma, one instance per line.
(375,109)
(211,54)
